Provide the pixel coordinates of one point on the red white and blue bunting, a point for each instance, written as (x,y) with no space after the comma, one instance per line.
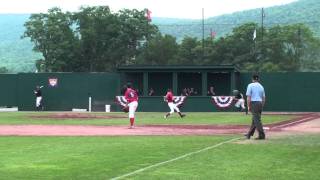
(223,102)
(179,100)
(122,102)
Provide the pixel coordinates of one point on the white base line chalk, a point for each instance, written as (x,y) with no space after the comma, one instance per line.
(294,122)
(174,159)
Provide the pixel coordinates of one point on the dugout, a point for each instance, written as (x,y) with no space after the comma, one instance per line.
(224,78)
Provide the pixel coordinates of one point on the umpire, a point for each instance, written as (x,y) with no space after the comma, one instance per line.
(256,100)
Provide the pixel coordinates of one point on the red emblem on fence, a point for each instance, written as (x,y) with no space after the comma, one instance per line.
(53,82)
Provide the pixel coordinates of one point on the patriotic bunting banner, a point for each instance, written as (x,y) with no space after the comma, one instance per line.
(122,102)
(223,102)
(179,100)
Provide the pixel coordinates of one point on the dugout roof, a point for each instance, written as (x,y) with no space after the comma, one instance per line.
(178,68)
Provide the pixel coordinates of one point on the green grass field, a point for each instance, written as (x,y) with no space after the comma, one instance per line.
(285,157)
(141,119)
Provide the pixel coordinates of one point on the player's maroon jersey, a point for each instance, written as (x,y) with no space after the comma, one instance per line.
(131,95)
(169,97)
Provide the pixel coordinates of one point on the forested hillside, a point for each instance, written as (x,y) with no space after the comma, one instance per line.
(302,11)
(17,56)
(15,53)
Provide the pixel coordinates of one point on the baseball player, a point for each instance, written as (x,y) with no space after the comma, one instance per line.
(169,99)
(132,102)
(238,96)
(38,95)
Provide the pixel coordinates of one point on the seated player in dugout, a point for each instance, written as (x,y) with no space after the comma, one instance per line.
(211,91)
(151,92)
(193,92)
(184,92)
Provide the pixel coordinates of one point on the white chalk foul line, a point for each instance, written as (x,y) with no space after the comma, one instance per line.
(174,159)
(295,122)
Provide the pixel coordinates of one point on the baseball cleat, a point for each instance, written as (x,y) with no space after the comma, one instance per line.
(260,138)
(247,136)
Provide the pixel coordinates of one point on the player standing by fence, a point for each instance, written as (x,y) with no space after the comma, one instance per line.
(240,102)
(38,95)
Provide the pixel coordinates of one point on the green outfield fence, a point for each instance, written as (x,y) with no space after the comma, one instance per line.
(292,91)
(284,91)
(72,90)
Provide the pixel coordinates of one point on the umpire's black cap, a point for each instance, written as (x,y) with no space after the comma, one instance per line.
(255,77)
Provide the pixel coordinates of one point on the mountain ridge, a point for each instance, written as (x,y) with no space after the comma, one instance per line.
(16,54)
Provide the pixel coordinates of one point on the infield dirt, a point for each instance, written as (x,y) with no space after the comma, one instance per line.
(308,123)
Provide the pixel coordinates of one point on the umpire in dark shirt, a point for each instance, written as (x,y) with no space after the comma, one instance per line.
(256,99)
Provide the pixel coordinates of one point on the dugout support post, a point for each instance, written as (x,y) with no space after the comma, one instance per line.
(204,78)
(145,83)
(175,82)
(232,81)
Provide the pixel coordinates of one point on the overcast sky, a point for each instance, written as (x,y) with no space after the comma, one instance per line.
(160,8)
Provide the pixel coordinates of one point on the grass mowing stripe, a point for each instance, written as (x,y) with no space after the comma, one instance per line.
(175,159)
(143,118)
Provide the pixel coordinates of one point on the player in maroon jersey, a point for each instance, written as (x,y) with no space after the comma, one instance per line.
(132,102)
(173,107)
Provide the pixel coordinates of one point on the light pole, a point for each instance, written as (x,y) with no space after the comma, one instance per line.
(202,33)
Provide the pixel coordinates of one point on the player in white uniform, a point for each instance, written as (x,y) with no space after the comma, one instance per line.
(38,95)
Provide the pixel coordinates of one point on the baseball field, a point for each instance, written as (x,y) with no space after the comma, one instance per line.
(62,145)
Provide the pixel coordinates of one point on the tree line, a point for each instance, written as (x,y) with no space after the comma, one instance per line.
(94,39)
